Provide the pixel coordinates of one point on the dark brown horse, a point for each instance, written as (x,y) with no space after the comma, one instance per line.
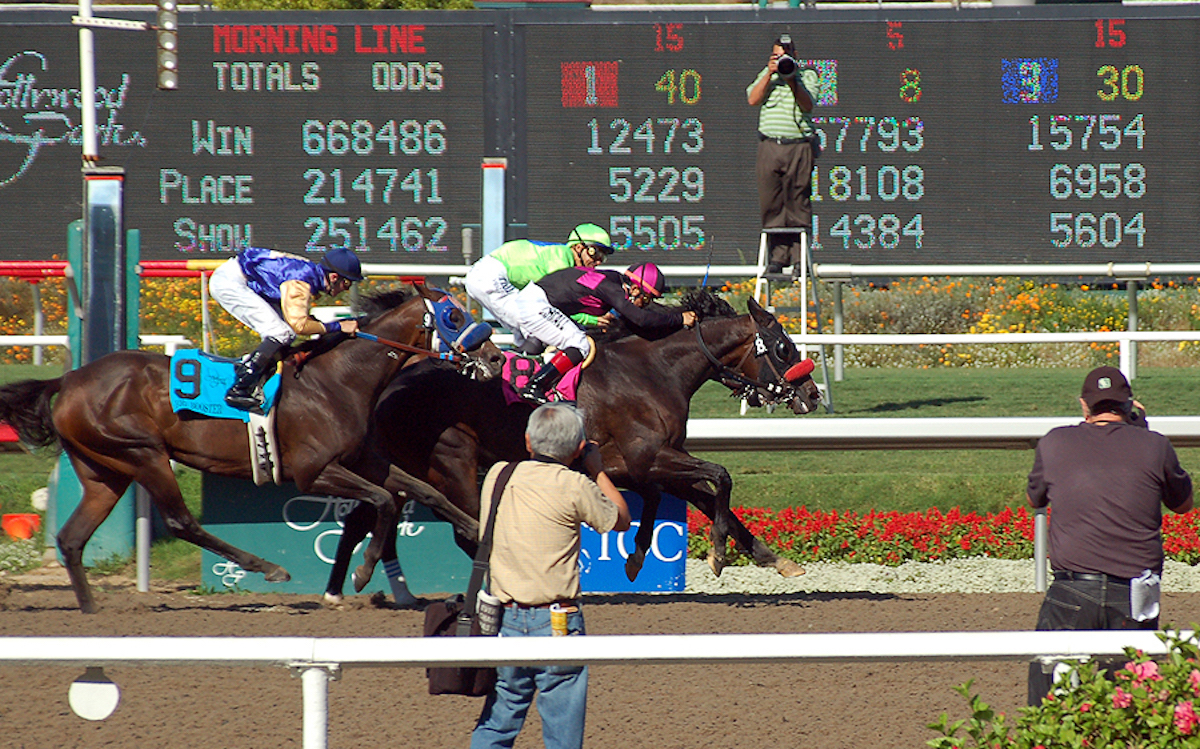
(434,424)
(635,397)
(114,419)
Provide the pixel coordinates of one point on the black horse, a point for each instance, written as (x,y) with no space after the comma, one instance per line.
(114,419)
(635,397)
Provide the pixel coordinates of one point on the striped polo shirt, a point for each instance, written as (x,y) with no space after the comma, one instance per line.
(779,113)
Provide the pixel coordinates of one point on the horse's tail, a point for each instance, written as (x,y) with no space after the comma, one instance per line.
(25,405)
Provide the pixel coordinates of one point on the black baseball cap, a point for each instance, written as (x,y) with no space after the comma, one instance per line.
(1105,384)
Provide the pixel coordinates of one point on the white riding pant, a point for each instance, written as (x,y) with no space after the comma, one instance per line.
(545,322)
(487,282)
(228,286)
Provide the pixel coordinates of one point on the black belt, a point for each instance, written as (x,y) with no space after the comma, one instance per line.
(515,605)
(782,141)
(1090,577)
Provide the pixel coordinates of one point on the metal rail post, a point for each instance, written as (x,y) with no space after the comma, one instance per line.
(1041,545)
(205,317)
(1131,289)
(839,327)
(314,678)
(39,323)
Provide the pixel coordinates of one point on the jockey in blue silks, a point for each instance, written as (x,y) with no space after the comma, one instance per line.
(272,292)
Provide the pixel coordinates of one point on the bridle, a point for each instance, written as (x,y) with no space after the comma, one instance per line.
(462,361)
(752,390)
(449,356)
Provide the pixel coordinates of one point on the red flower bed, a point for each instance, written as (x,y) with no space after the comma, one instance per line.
(893,537)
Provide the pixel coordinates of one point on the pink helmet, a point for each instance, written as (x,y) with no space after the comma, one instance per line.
(649,277)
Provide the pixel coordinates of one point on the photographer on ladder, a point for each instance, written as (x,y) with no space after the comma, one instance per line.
(785,95)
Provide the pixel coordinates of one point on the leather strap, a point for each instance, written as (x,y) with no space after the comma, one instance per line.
(483,556)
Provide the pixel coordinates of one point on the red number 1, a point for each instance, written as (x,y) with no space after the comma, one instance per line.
(674,39)
(1116,34)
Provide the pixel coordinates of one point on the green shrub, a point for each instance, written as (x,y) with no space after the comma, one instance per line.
(1147,703)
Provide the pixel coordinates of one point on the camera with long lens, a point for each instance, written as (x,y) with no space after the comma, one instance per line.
(786,66)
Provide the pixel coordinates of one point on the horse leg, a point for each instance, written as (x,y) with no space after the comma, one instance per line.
(355,527)
(395,574)
(340,481)
(651,497)
(100,496)
(401,483)
(156,476)
(707,486)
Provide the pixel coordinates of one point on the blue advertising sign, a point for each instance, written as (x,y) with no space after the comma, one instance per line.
(602,556)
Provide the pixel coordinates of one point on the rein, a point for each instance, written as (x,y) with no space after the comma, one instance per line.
(445,356)
(724,372)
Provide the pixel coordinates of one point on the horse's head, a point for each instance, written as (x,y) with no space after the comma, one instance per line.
(413,320)
(454,330)
(777,364)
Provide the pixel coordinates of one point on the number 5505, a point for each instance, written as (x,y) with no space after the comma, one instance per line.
(656,232)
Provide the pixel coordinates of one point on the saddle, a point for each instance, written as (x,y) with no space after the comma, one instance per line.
(518,368)
(198,384)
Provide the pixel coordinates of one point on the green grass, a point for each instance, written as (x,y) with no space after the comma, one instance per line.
(915,480)
(858,480)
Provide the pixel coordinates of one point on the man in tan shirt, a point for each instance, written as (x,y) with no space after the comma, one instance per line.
(535,572)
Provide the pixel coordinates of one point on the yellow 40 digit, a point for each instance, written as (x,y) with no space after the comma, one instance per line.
(686,84)
(1129,82)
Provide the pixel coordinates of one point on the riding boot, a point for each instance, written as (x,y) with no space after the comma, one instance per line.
(245,394)
(539,386)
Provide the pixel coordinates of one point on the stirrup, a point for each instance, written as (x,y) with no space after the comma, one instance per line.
(243,401)
(534,395)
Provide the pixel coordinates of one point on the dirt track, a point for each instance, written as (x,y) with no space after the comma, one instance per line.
(660,707)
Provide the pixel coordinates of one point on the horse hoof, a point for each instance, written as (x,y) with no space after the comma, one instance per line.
(788,568)
(335,602)
(361,576)
(714,564)
(406,600)
(633,565)
(277,575)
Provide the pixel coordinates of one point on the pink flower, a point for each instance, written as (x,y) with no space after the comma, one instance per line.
(1185,717)
(1085,707)
(1121,698)
(1194,680)
(1145,671)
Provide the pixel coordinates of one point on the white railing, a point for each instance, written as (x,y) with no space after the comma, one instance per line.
(1124,339)
(320,659)
(940,433)
(169,342)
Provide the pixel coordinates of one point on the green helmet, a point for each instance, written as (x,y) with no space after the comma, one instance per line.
(593,236)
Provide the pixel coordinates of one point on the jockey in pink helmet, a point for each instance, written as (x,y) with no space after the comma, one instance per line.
(544,308)
(646,282)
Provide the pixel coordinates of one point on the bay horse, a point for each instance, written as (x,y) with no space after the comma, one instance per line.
(114,419)
(635,397)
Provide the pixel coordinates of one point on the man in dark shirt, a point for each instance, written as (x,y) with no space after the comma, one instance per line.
(1107,479)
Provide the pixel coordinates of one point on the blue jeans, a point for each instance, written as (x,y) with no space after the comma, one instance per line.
(1081,605)
(562,690)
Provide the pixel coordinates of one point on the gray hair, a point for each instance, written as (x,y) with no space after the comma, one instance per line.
(555,430)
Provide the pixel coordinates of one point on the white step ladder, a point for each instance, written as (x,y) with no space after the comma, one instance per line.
(800,275)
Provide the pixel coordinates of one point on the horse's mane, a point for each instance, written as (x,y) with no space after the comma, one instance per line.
(703,302)
(706,304)
(368,308)
(373,305)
